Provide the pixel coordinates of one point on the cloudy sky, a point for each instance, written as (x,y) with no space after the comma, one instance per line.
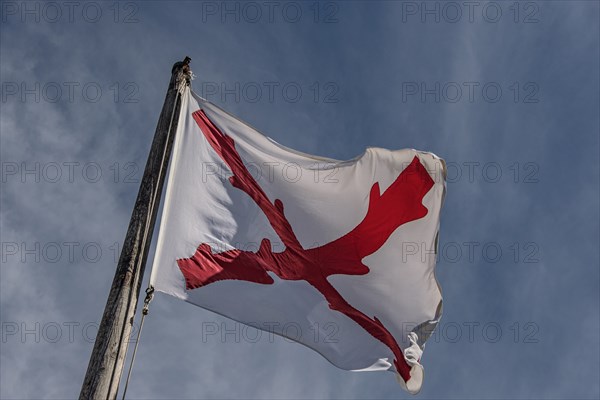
(507,92)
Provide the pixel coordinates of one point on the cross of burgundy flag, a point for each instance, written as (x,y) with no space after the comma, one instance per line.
(336,255)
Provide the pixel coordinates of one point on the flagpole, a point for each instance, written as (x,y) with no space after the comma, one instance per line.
(110,348)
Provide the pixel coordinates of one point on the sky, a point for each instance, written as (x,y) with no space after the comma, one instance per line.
(506,92)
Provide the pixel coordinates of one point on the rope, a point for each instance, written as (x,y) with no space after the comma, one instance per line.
(147,300)
(150,289)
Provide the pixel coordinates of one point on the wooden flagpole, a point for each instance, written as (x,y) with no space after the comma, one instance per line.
(110,348)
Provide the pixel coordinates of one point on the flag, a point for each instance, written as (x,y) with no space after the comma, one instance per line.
(336,255)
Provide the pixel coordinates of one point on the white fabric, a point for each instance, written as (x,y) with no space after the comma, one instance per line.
(324,199)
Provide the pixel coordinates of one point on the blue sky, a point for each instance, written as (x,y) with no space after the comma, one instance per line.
(507,93)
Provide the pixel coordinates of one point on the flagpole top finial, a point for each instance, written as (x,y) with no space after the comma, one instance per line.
(182,73)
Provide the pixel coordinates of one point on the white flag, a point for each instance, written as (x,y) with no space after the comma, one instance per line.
(337,255)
